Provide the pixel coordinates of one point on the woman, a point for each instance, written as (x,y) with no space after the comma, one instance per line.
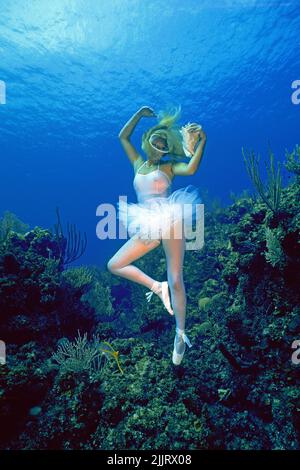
(158,209)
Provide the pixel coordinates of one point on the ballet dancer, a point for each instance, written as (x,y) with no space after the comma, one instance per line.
(152,183)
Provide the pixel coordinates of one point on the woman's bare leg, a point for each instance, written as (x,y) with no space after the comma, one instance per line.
(175,250)
(133,249)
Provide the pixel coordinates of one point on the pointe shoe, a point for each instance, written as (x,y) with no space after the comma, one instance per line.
(176,357)
(163,288)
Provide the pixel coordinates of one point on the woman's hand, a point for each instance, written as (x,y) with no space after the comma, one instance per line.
(145,111)
(191,133)
(202,134)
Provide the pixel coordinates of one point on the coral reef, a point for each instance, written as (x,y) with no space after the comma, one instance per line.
(237,387)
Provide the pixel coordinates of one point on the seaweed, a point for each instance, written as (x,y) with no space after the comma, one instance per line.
(72,247)
(292,163)
(79,355)
(270,193)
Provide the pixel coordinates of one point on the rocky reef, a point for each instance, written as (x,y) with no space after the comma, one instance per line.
(88,360)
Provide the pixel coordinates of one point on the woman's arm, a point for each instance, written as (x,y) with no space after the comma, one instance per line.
(127,130)
(186,169)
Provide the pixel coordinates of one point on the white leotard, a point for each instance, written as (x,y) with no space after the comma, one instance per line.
(153,184)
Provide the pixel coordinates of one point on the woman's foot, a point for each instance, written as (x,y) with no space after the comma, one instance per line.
(162,290)
(179,346)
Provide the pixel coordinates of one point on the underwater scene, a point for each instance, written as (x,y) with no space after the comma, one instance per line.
(124,123)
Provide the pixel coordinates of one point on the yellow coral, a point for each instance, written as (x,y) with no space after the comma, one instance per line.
(113,353)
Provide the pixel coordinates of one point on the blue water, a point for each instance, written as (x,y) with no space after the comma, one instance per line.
(75,72)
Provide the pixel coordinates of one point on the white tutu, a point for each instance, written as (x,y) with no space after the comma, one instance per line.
(153,218)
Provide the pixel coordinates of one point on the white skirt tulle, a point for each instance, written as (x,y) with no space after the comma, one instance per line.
(153,218)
